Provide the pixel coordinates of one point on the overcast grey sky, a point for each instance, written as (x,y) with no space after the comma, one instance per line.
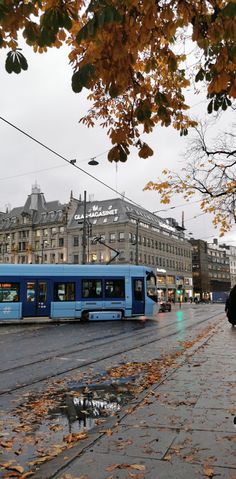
(40,101)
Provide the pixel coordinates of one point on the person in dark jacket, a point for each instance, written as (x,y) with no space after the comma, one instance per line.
(230,306)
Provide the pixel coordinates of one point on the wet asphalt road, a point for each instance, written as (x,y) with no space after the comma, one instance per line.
(34,355)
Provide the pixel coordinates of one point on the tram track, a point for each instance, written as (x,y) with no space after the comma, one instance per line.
(89,343)
(116,351)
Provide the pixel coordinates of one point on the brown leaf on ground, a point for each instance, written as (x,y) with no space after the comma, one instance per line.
(123,444)
(138,475)
(69,476)
(230,438)
(27,474)
(56,427)
(108,432)
(6,465)
(167,458)
(40,460)
(112,467)
(74,437)
(16,468)
(10,475)
(208,471)
(6,444)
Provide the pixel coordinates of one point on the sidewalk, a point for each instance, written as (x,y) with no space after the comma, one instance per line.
(183,428)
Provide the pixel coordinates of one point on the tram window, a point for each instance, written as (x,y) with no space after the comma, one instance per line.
(9,292)
(64,292)
(91,288)
(30,291)
(114,288)
(42,292)
(138,290)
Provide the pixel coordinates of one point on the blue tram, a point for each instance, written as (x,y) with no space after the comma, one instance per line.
(85,292)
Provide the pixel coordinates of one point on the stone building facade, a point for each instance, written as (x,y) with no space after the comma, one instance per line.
(211,270)
(112,230)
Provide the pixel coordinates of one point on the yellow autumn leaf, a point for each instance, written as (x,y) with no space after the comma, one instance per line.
(208,471)
(139,467)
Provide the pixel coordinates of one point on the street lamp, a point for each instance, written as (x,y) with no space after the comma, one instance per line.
(93,162)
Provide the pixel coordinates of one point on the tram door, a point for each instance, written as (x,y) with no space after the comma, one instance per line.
(138,304)
(36,298)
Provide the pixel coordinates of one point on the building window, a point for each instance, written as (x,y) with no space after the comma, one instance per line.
(121,236)
(61,241)
(76,259)
(76,241)
(112,237)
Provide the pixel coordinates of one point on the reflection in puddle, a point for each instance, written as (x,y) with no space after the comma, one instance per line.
(44,426)
(95,407)
(82,408)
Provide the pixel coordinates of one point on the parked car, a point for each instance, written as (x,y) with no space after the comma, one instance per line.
(164,306)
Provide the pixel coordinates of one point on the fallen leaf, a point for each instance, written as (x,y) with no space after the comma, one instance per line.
(73,437)
(208,471)
(6,444)
(112,467)
(167,458)
(140,467)
(138,475)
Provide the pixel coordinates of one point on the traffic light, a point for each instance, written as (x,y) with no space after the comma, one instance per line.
(180,289)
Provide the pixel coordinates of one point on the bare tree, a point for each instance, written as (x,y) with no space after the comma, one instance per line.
(210,170)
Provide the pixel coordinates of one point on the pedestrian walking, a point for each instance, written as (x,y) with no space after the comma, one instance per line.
(230,306)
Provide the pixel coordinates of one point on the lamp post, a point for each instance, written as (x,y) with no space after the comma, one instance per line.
(84,238)
(136,246)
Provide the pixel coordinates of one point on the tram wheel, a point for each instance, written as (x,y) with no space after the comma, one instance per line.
(85,317)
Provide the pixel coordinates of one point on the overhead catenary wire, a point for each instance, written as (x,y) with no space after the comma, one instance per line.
(73,164)
(68,161)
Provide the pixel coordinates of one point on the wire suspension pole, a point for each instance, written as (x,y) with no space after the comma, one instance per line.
(84,241)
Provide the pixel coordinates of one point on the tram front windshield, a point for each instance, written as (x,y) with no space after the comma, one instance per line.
(151,286)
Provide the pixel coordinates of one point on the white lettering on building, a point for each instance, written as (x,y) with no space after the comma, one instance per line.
(97,214)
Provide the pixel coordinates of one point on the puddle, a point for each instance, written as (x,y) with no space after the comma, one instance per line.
(81,408)
(44,426)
